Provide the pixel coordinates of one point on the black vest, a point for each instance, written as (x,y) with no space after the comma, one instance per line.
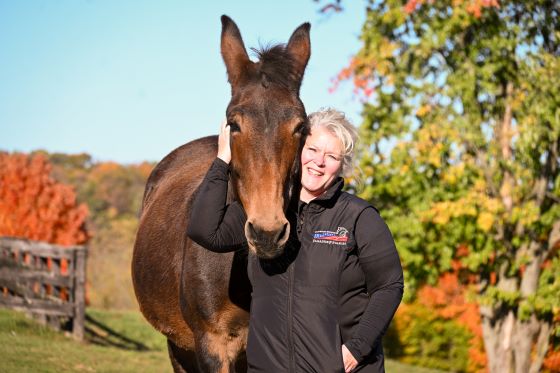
(306,302)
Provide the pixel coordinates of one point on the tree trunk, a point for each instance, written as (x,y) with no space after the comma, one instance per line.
(505,135)
(509,342)
(542,347)
(524,339)
(497,333)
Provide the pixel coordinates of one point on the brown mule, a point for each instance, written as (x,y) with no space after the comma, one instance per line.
(199,299)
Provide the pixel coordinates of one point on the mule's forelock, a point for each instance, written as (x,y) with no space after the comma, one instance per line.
(284,64)
(276,66)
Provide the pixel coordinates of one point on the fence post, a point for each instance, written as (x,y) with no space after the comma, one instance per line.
(79,294)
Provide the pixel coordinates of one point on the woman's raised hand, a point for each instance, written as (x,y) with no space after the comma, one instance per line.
(224,150)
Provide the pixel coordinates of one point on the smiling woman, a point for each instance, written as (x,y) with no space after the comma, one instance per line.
(341,274)
(327,153)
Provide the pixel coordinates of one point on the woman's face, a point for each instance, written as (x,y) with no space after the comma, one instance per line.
(321,161)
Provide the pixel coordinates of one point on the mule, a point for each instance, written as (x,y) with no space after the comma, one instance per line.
(199,299)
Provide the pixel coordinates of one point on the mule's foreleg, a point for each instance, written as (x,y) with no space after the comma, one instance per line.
(183,361)
(221,352)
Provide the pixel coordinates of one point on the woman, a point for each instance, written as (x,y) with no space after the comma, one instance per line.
(324,305)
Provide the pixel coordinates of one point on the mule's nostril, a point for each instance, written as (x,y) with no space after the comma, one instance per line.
(272,238)
(283,235)
(251,232)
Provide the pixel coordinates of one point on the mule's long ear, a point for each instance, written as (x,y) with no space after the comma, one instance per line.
(233,52)
(299,48)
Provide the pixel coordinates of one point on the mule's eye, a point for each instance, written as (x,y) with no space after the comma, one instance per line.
(301,129)
(234,127)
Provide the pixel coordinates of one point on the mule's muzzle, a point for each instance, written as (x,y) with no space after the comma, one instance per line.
(267,243)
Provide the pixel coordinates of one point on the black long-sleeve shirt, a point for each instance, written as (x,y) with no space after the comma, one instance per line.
(345,275)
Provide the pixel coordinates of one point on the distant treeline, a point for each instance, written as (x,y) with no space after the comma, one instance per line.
(113,193)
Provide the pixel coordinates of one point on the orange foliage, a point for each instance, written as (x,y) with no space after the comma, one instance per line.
(145,169)
(473,7)
(551,362)
(448,299)
(34,206)
(411,5)
(361,74)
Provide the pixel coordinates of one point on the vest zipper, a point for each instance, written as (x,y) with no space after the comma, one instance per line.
(291,270)
(290,318)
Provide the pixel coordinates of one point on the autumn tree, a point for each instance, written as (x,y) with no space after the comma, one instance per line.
(461,149)
(33,205)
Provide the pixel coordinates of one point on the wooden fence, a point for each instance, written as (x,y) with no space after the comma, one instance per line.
(47,281)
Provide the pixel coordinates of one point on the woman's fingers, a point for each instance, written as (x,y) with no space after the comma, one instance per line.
(224,151)
(348,359)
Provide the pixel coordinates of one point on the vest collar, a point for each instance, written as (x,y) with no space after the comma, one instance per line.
(328,198)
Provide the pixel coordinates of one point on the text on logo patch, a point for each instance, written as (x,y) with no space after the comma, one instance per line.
(340,237)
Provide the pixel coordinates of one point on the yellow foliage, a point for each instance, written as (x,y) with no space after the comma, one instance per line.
(485,221)
(383,68)
(434,156)
(518,99)
(454,174)
(441,218)
(526,214)
(492,205)
(479,186)
(423,110)
(387,48)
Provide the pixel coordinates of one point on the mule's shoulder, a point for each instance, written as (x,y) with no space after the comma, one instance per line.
(199,148)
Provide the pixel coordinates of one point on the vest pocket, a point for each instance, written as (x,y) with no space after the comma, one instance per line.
(317,339)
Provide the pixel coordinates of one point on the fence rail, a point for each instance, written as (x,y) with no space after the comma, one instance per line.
(45,280)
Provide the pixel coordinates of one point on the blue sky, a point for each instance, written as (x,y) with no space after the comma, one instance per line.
(130,80)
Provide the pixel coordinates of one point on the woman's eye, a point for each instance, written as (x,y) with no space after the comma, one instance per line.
(333,157)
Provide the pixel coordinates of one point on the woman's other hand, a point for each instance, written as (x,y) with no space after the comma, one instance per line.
(349,362)
(224,150)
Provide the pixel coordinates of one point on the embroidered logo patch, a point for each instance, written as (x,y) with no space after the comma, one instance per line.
(340,237)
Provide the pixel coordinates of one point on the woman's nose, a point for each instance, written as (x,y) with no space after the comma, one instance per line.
(319,159)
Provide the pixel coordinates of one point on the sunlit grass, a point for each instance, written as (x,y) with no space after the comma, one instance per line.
(117,342)
(26,346)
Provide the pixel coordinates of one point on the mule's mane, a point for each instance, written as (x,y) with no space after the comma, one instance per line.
(277,66)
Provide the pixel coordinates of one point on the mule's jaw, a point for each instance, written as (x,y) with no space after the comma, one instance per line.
(266,253)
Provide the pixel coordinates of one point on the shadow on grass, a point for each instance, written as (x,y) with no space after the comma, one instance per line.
(100,334)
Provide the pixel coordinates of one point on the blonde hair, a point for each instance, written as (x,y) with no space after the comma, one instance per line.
(336,122)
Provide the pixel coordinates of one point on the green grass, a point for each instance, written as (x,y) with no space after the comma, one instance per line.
(129,345)
(115,342)
(392,366)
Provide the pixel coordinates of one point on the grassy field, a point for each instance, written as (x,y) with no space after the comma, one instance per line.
(115,342)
